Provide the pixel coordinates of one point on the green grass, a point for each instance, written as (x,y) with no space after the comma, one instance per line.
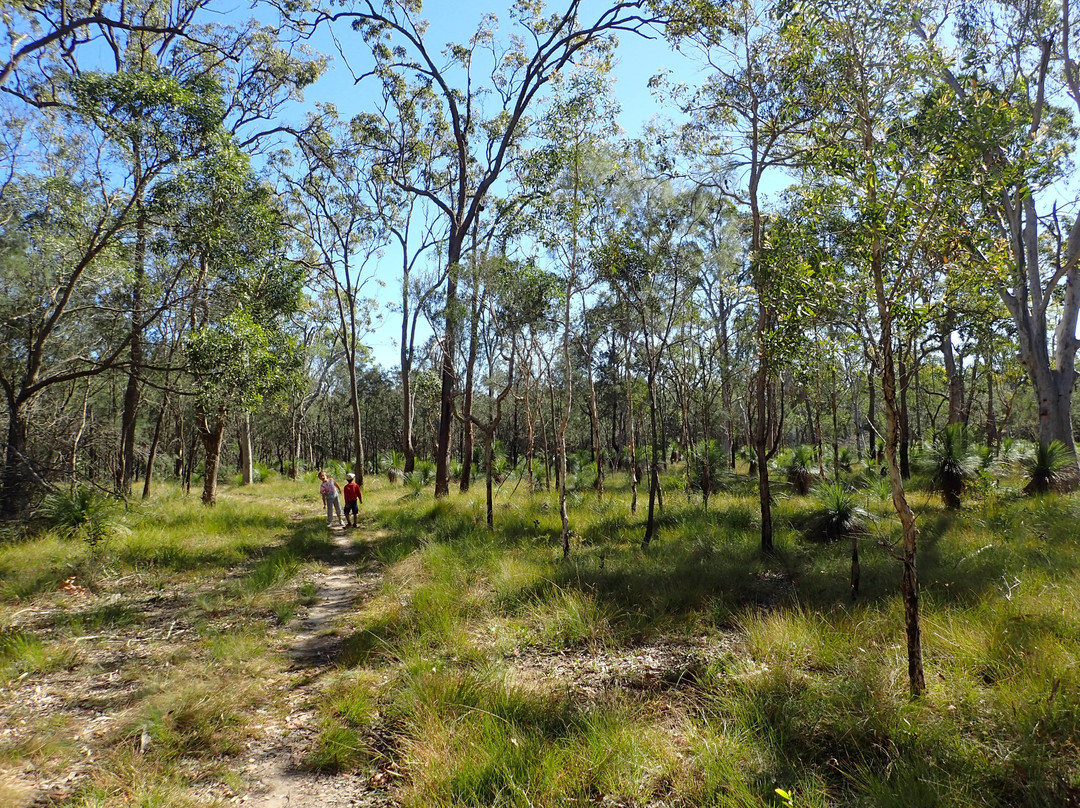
(484,669)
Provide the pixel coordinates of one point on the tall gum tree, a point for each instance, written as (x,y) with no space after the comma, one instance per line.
(1013,131)
(569,174)
(745,121)
(485,89)
(333,192)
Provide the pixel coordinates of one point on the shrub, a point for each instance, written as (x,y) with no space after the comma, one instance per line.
(1045,466)
(952,463)
(81,513)
(799,469)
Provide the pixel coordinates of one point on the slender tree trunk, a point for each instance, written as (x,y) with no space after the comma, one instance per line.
(991,417)
(871,414)
(408,448)
(247,462)
(151,456)
(761,449)
(835,429)
(594,426)
(530,427)
(909,585)
(132,393)
(568,399)
(654,466)
(489,439)
(467,426)
(357,432)
(905,432)
(953,375)
(630,431)
(449,375)
(74,468)
(296,448)
(857,416)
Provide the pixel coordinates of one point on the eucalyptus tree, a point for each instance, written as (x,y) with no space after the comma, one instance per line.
(312,328)
(333,191)
(653,261)
(570,173)
(722,294)
(149,120)
(46,34)
(484,89)
(861,174)
(518,304)
(57,285)
(745,121)
(1008,111)
(232,228)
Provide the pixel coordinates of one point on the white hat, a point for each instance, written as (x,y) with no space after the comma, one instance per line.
(349,476)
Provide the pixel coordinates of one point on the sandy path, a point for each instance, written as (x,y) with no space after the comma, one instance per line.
(275,766)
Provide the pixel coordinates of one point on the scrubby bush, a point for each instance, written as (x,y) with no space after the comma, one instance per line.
(952,463)
(799,469)
(1044,467)
(81,512)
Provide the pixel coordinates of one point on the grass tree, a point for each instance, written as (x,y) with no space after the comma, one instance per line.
(1046,467)
(953,463)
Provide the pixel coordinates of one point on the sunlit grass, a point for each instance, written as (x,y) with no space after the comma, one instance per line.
(797,687)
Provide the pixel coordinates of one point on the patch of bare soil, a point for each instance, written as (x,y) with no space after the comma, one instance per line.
(275,762)
(590,674)
(83,706)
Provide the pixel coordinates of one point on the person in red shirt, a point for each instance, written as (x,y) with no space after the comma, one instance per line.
(353,497)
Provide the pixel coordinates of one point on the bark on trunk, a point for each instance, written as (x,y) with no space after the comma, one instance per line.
(357,432)
(953,375)
(151,456)
(247,462)
(470,368)
(909,585)
(17,480)
(654,465)
(446,393)
(132,393)
(594,425)
(211,435)
(761,437)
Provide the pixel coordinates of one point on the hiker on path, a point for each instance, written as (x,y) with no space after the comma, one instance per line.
(329,490)
(353,497)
